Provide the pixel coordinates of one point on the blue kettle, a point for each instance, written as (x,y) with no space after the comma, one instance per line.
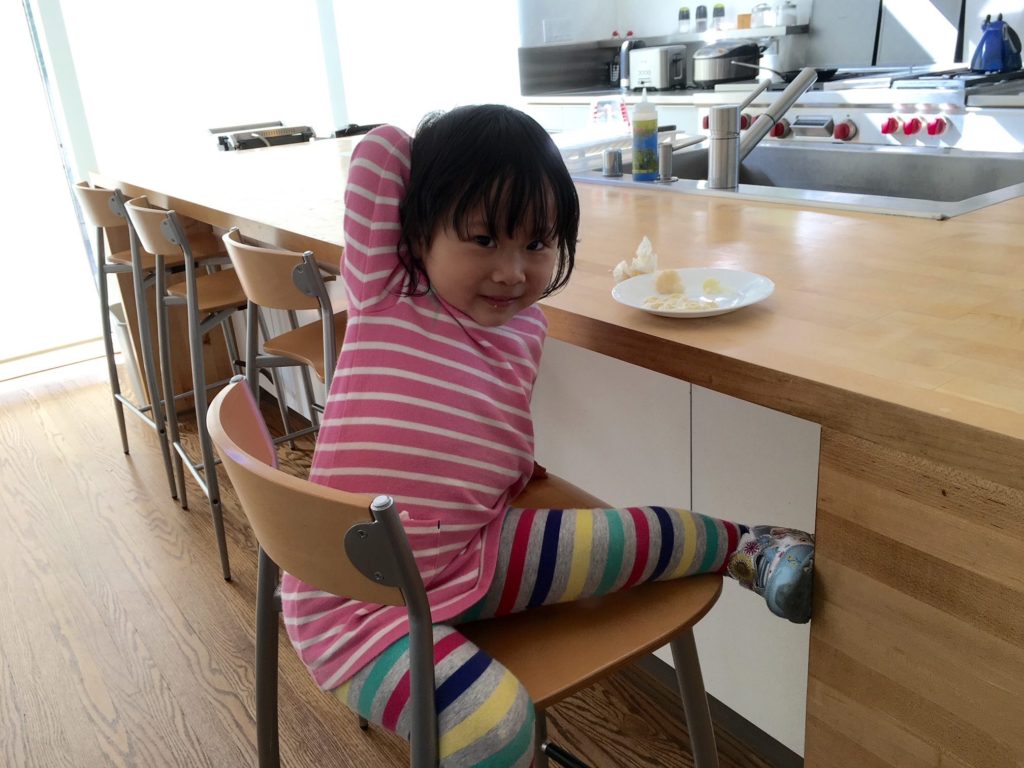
(999,49)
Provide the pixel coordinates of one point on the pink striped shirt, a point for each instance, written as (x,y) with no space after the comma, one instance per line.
(428,407)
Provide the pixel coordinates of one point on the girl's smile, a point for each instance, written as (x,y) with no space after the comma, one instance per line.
(489,278)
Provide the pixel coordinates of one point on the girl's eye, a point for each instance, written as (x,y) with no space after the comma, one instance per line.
(485,241)
(537,245)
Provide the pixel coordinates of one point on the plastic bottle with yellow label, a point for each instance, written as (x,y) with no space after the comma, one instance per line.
(645,140)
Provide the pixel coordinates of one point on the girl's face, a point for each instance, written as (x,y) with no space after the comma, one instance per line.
(490,279)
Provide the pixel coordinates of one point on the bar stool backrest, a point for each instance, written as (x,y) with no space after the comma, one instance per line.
(301,525)
(155,227)
(268,274)
(96,205)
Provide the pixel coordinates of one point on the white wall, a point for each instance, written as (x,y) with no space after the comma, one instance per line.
(401,60)
(155,76)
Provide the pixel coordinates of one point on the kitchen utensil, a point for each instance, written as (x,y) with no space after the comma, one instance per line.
(662,66)
(715,63)
(999,49)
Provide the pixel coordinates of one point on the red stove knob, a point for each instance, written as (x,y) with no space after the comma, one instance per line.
(937,126)
(891,125)
(781,129)
(706,122)
(745,121)
(912,126)
(845,130)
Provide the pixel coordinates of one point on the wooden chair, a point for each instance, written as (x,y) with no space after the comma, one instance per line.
(104,210)
(553,650)
(288,281)
(210,299)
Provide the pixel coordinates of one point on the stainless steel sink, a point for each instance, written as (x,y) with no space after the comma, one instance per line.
(936,183)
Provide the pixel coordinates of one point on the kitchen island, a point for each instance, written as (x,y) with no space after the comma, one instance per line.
(902,338)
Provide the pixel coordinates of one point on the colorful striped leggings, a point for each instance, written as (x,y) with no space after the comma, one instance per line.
(485,717)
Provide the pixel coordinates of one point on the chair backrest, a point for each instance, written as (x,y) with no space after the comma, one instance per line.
(96,206)
(267,275)
(302,526)
(149,225)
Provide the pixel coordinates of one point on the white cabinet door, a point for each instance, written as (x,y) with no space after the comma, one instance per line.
(624,433)
(619,431)
(754,465)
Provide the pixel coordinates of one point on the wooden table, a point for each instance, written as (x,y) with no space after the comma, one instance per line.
(902,338)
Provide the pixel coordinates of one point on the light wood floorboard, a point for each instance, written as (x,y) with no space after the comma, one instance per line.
(121,645)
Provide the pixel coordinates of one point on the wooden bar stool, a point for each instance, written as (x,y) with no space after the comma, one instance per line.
(210,300)
(288,281)
(104,210)
(355,546)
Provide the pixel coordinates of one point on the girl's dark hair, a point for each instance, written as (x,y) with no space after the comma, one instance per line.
(490,158)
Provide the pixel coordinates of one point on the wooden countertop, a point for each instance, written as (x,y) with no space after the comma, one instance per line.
(878,323)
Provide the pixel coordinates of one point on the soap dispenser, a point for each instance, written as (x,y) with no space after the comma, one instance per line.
(645,140)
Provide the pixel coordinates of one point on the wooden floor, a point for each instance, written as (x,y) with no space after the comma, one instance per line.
(121,645)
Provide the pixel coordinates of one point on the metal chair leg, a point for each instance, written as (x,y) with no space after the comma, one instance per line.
(164,345)
(267,740)
(108,341)
(199,398)
(282,404)
(546,751)
(695,700)
(149,373)
(540,738)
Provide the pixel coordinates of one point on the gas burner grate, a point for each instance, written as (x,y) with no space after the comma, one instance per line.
(962,77)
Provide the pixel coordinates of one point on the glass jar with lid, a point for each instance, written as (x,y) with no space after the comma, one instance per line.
(786,14)
(762,15)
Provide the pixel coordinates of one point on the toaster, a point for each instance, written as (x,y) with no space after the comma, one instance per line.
(661,66)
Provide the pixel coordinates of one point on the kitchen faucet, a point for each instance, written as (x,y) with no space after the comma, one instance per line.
(627,45)
(726,149)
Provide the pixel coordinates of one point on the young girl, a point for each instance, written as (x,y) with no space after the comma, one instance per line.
(450,240)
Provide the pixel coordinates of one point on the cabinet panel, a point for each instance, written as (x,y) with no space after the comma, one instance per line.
(619,431)
(754,465)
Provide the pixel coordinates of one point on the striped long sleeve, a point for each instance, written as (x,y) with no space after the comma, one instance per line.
(427,407)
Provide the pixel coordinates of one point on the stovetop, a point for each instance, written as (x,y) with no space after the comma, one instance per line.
(957,78)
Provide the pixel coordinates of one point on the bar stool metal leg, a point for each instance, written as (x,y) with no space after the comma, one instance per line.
(164,346)
(282,404)
(208,480)
(108,342)
(695,700)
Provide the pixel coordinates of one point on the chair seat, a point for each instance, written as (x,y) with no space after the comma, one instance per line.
(147,260)
(219,290)
(585,640)
(204,246)
(306,343)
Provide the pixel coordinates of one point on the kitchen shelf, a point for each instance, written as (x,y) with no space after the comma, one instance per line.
(710,36)
(754,33)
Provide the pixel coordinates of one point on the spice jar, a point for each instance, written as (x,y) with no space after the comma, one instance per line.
(762,15)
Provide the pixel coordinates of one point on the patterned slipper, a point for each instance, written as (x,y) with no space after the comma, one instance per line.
(777,563)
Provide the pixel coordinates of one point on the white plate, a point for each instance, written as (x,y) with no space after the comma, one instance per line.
(739,289)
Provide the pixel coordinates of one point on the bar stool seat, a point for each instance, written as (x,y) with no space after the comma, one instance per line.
(220,290)
(208,246)
(306,344)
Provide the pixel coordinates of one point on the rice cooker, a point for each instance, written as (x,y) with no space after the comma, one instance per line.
(722,62)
